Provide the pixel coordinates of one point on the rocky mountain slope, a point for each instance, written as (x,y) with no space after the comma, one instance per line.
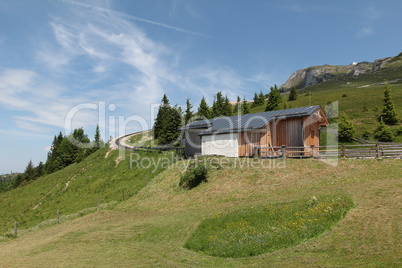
(317,74)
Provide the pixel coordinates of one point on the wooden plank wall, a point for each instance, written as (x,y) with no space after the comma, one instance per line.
(247,142)
(288,132)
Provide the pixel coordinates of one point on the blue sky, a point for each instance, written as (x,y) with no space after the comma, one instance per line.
(86,62)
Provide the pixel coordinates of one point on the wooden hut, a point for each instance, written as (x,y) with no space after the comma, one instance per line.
(238,136)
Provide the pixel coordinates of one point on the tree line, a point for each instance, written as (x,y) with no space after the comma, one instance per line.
(64,151)
(171,117)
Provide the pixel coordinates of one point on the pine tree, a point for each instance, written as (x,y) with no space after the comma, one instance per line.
(40,170)
(29,172)
(53,162)
(188,113)
(346,130)
(227,107)
(383,133)
(388,115)
(167,122)
(165,100)
(161,118)
(245,106)
(218,105)
(173,121)
(274,99)
(261,98)
(97,136)
(256,100)
(293,94)
(238,107)
(203,109)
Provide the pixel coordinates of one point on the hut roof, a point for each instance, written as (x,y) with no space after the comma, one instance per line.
(240,123)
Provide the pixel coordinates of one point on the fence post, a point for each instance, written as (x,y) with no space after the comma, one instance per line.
(283,151)
(343,150)
(15,229)
(312,151)
(58,216)
(257,152)
(97,208)
(377,149)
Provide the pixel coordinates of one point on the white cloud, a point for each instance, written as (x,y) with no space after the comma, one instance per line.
(366,32)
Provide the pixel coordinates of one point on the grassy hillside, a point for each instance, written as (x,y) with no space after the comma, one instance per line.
(75,190)
(145,218)
(151,228)
(358,97)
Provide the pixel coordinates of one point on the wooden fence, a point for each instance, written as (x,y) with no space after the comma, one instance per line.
(342,150)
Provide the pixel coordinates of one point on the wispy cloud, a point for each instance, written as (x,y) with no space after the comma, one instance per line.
(131,17)
(365,32)
(372,12)
(42,101)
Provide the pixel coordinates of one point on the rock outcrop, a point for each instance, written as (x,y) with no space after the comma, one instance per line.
(318,74)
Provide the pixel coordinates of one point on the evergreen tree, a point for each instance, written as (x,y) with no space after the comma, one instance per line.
(274,99)
(388,115)
(203,109)
(346,130)
(238,107)
(383,133)
(97,138)
(245,106)
(172,123)
(218,106)
(261,98)
(165,100)
(256,100)
(40,170)
(293,94)
(167,122)
(29,173)
(161,118)
(53,162)
(188,113)
(227,107)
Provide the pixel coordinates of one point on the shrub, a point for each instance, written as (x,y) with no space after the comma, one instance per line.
(346,129)
(383,133)
(194,176)
(366,135)
(399,131)
(344,96)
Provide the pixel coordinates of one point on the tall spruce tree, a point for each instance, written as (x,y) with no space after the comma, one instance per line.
(388,115)
(204,110)
(274,99)
(261,98)
(218,106)
(161,118)
(30,173)
(237,110)
(227,107)
(256,100)
(245,106)
(97,138)
(188,113)
(293,94)
(167,122)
